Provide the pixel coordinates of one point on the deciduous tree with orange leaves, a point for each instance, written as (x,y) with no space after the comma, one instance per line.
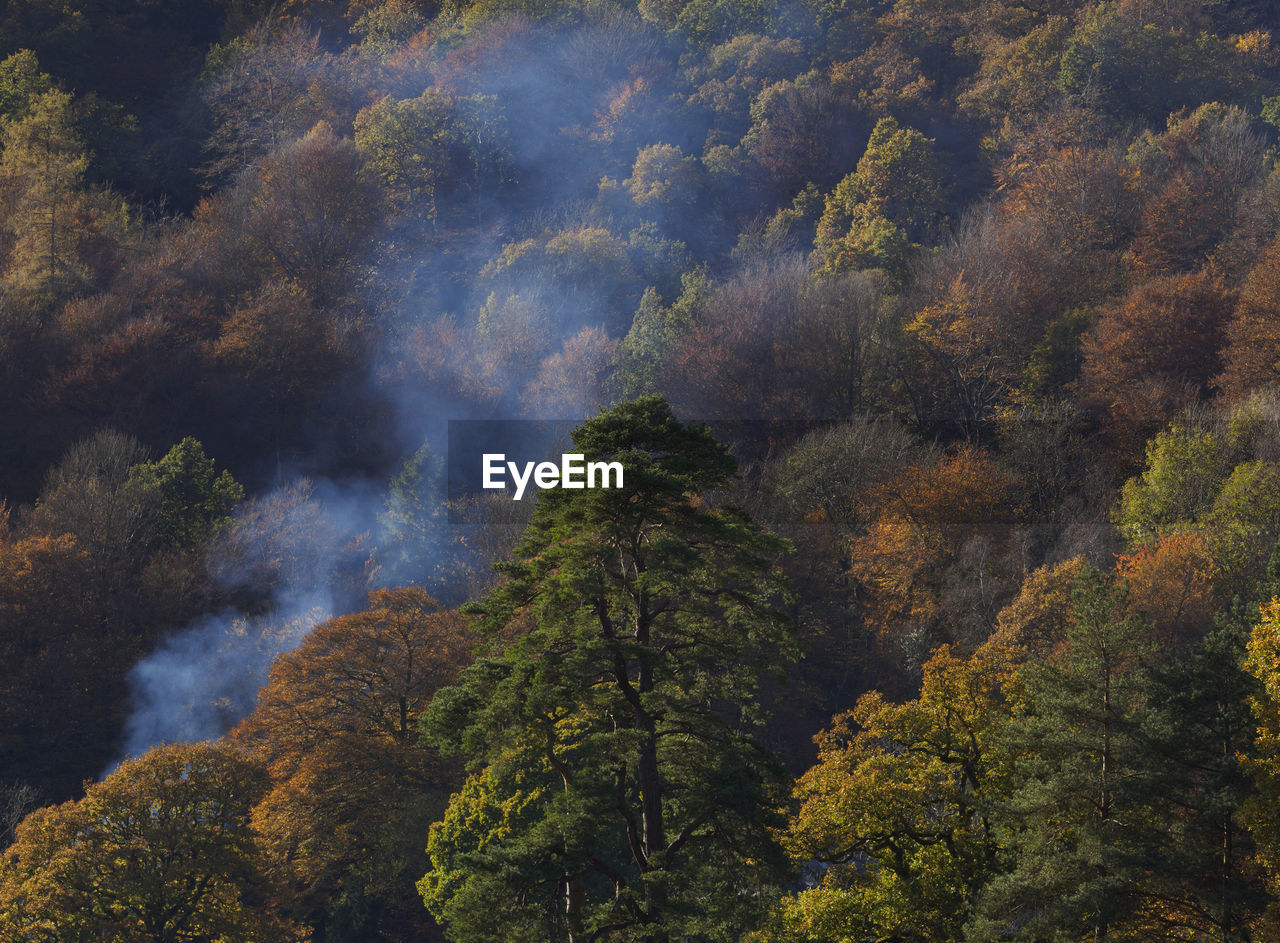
(1156,350)
(935,528)
(352,790)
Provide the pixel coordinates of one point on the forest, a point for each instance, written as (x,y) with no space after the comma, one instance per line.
(940,343)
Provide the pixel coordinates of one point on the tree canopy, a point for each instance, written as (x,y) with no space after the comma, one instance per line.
(618,788)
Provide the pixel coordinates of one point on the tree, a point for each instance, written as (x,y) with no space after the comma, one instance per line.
(1196,173)
(964,349)
(194,499)
(1185,470)
(352,790)
(1156,351)
(1135,62)
(1171,583)
(1195,481)
(264,89)
(1076,829)
(412,534)
(1018,77)
(663,178)
(1251,357)
(577,277)
(1242,526)
(619,791)
(1037,620)
(60,684)
(1263,761)
(158,852)
(931,525)
(892,201)
(312,212)
(92,495)
(644,350)
(45,160)
(774,343)
(20,81)
(570,382)
(735,71)
(709,21)
(1198,732)
(802,130)
(898,807)
(430,148)
(282,351)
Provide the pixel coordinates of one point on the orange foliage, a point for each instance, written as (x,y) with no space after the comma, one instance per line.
(1083,196)
(1037,620)
(965,345)
(1171,585)
(1156,351)
(922,523)
(1251,359)
(337,726)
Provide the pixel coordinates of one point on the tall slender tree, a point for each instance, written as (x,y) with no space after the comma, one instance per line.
(1076,831)
(45,161)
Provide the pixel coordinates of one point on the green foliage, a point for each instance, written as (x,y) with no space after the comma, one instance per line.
(46,155)
(790,228)
(1185,469)
(709,21)
(1263,760)
(1271,111)
(1201,479)
(900,176)
(193,498)
(413,521)
(871,242)
(620,786)
(660,261)
(893,200)
(1075,829)
(159,850)
(1244,521)
(1055,362)
(20,81)
(1200,730)
(898,804)
(489,203)
(421,148)
(384,26)
(736,70)
(663,178)
(654,331)
(578,274)
(1123,64)
(497,818)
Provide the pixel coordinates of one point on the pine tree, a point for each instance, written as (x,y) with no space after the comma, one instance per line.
(620,792)
(1076,831)
(44,162)
(1197,729)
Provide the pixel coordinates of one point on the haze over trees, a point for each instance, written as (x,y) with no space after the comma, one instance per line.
(955,621)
